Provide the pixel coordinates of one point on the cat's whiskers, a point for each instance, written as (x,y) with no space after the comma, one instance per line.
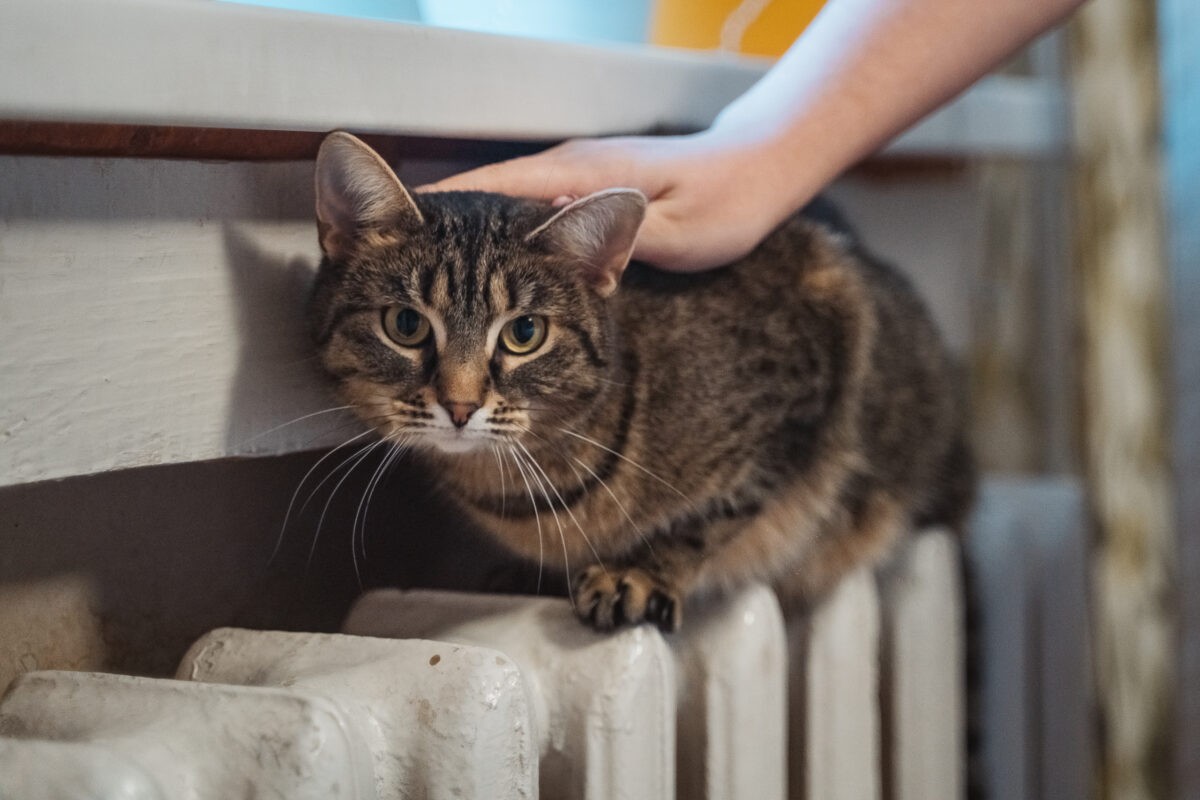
(358,528)
(496,435)
(292,503)
(561,453)
(282,425)
(503,488)
(504,464)
(335,470)
(542,488)
(566,508)
(538,521)
(354,423)
(361,456)
(624,513)
(399,448)
(359,523)
(558,451)
(632,463)
(504,433)
(523,408)
(579,481)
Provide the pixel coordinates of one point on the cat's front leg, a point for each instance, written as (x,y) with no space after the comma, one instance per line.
(608,597)
(650,583)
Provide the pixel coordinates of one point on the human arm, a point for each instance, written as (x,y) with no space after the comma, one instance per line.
(863,71)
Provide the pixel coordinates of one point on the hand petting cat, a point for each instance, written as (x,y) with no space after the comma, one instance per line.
(863,71)
(708,205)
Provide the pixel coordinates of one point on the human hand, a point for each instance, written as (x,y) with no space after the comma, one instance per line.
(710,196)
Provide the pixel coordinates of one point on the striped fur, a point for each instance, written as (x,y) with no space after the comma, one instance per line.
(784,418)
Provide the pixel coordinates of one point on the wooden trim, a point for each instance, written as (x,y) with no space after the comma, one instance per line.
(228,144)
(80,139)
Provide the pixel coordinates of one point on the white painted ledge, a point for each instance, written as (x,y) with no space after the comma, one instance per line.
(200,63)
(226,65)
(191,281)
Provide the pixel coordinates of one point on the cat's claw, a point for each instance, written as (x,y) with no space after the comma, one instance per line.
(608,598)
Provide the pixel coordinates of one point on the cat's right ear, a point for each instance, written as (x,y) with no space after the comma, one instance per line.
(358,192)
(596,232)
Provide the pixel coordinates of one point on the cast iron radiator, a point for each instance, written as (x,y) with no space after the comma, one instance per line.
(447,695)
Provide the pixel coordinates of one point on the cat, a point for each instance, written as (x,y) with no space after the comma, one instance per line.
(786,418)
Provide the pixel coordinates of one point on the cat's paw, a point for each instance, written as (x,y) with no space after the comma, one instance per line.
(607,598)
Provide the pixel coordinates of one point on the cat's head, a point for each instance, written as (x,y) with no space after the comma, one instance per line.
(458,319)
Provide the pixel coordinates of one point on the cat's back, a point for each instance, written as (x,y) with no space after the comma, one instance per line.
(809,284)
(760,356)
(740,351)
(817,241)
(801,291)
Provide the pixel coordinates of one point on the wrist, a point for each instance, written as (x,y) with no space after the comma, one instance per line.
(763,166)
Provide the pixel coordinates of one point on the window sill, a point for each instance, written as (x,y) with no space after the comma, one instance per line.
(219,65)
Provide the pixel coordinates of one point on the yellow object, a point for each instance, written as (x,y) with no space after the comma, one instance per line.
(753,27)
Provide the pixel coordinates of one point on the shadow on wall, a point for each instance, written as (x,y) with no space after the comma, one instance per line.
(123,571)
(276,359)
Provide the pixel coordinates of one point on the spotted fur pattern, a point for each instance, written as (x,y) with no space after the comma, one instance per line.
(785,418)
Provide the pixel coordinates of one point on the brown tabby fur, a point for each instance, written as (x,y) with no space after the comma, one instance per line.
(786,418)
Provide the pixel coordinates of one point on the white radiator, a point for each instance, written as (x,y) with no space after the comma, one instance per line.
(446,695)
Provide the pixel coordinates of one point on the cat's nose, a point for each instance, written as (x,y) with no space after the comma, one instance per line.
(460,413)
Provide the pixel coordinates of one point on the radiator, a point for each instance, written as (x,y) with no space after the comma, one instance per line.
(448,695)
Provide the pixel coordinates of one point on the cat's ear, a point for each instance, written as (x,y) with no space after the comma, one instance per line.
(597,232)
(357,192)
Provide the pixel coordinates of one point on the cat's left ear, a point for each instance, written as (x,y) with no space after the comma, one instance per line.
(597,232)
(358,192)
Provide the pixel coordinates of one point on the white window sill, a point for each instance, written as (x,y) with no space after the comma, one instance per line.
(209,64)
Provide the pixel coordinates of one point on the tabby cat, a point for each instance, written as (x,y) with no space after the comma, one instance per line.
(785,418)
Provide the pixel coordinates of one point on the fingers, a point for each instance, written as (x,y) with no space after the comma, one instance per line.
(573,169)
(694,220)
(693,239)
(538,177)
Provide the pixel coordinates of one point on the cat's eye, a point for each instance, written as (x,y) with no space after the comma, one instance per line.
(524,334)
(405,326)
